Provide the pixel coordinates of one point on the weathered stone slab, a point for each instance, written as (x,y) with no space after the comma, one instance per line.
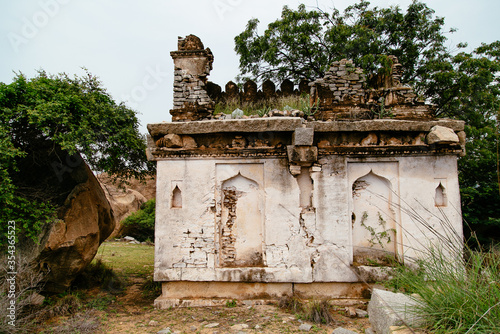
(388,309)
(384,125)
(230,125)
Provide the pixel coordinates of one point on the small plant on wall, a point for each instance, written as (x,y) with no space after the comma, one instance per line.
(381,237)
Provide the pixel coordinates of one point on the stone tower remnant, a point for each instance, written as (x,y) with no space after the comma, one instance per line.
(192,65)
(258,208)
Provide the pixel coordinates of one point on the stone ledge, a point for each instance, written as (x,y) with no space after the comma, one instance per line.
(167,303)
(279,124)
(390,125)
(289,124)
(155,154)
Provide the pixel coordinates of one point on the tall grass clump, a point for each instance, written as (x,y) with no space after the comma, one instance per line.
(317,311)
(456,293)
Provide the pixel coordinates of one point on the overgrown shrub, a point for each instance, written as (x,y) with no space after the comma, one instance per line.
(262,107)
(141,224)
(47,121)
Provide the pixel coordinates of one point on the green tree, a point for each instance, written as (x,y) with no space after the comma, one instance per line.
(303,43)
(69,117)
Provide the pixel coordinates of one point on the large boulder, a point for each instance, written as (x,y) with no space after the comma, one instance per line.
(126,197)
(84,217)
(85,221)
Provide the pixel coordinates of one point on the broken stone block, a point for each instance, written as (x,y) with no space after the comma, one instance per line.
(172,140)
(361,313)
(303,136)
(442,135)
(388,309)
(371,139)
(237,113)
(305,327)
(188,142)
(350,312)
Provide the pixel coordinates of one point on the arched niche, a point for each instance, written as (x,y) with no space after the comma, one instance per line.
(176,202)
(241,223)
(373,219)
(440,197)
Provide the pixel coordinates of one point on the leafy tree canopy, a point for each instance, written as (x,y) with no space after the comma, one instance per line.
(465,85)
(60,114)
(303,43)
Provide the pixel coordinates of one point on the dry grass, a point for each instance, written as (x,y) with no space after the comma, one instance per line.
(28,281)
(264,106)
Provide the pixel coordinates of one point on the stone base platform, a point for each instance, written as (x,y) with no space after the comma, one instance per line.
(201,294)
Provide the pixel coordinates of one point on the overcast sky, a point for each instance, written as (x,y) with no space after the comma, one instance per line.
(126,43)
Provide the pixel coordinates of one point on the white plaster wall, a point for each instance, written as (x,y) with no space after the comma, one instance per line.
(414,179)
(420,176)
(298,244)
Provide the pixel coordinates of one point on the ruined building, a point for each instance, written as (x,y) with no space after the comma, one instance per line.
(256,208)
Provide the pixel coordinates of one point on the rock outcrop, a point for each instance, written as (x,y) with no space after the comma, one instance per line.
(126,198)
(85,221)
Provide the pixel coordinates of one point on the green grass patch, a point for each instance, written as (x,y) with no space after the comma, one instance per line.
(127,259)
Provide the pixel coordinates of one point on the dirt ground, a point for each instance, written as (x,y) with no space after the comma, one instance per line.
(132,313)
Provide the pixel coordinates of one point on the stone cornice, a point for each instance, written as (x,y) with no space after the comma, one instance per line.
(289,124)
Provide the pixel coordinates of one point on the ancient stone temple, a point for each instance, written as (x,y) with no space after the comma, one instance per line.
(260,207)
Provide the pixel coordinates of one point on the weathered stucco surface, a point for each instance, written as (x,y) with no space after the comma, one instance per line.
(293,243)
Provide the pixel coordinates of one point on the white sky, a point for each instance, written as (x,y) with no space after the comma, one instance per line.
(127,43)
